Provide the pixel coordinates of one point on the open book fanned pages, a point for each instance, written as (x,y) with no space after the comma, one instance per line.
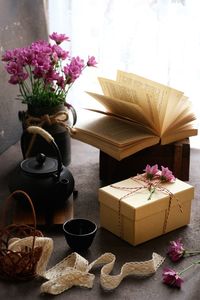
(135,113)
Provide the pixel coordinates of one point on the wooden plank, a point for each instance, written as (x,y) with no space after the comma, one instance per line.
(182,159)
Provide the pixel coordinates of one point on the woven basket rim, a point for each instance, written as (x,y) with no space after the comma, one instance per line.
(20,264)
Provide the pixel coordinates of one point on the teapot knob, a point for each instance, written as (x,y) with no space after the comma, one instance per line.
(40,158)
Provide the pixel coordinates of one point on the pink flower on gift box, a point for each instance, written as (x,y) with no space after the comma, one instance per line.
(166,175)
(151,171)
(156,176)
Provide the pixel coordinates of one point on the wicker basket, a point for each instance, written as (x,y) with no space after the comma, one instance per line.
(19,265)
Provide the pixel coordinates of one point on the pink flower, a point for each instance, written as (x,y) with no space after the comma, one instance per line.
(8,55)
(51,75)
(151,171)
(172,278)
(166,175)
(17,73)
(91,61)
(58,38)
(14,68)
(19,78)
(61,82)
(60,52)
(74,69)
(176,250)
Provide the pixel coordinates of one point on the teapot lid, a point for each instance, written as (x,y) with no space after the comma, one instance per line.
(39,165)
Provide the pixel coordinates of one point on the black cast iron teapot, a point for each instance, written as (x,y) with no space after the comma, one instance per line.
(47,181)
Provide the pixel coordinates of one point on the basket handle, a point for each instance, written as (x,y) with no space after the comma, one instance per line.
(32,208)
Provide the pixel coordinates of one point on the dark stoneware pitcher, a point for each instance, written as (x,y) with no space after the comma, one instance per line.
(57,121)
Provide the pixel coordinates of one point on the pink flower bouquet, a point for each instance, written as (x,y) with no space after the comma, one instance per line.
(44,72)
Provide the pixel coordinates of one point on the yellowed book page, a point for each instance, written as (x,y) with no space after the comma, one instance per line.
(127,110)
(185,117)
(184,132)
(107,137)
(179,112)
(159,92)
(137,96)
(111,129)
(112,150)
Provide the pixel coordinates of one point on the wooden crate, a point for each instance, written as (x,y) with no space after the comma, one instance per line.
(175,156)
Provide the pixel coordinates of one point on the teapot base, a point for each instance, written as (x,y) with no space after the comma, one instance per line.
(45,217)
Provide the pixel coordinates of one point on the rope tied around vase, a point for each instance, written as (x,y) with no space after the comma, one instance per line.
(151,185)
(59,118)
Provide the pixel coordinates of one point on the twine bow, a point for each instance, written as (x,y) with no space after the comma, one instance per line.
(59,118)
(151,186)
(74,270)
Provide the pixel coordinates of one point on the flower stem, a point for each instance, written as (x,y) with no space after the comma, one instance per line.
(190,266)
(151,193)
(190,253)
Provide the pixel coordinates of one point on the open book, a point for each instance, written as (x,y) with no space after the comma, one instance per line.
(137,113)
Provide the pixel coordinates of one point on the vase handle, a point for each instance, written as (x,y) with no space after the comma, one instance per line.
(73,111)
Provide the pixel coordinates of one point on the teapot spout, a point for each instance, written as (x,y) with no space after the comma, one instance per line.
(65,187)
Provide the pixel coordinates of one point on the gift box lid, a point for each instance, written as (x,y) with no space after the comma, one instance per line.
(134,204)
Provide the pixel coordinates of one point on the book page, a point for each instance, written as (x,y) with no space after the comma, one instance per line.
(183,132)
(180,123)
(178,112)
(133,96)
(175,108)
(127,110)
(112,135)
(159,92)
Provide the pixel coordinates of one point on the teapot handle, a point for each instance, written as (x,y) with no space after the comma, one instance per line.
(48,137)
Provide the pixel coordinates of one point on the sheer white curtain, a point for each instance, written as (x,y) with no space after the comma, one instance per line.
(157,39)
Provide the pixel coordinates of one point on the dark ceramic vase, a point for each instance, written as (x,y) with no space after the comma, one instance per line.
(31,146)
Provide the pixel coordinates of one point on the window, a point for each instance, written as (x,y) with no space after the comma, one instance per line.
(157,39)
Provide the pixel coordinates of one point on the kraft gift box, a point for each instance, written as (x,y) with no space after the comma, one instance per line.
(128,214)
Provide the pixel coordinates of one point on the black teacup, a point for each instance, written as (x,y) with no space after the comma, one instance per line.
(79,233)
